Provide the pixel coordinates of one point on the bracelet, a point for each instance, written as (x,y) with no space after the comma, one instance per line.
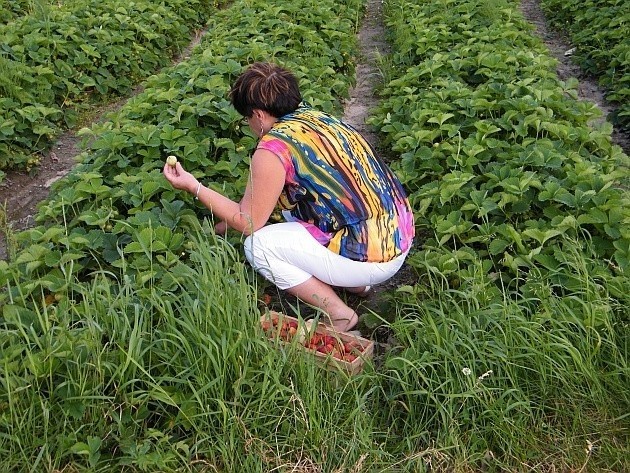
(198,189)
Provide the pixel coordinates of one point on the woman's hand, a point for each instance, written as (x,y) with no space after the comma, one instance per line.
(266,180)
(180,178)
(221,228)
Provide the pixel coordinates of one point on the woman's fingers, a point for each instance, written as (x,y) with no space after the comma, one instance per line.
(221,228)
(180,178)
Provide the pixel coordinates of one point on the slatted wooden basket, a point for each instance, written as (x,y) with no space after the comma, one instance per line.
(272,323)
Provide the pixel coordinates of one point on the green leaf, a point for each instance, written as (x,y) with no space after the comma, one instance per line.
(224,143)
(593,216)
(565,197)
(622,254)
(170,134)
(498,246)
(452,183)
(33,257)
(541,236)
(440,118)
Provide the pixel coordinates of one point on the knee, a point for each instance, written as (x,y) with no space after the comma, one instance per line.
(257,250)
(248,248)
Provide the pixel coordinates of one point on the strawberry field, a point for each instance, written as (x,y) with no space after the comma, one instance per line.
(129,333)
(57,58)
(600,30)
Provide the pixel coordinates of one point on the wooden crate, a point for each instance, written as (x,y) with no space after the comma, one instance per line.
(365,350)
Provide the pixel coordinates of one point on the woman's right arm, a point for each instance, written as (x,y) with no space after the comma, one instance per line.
(264,185)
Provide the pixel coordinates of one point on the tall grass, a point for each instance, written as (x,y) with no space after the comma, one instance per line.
(113,376)
(491,380)
(7,234)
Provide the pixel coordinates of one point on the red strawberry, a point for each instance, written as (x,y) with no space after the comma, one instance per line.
(352,346)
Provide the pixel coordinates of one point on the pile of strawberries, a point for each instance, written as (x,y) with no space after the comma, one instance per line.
(323,343)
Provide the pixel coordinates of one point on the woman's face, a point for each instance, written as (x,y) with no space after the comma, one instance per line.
(255,124)
(260,122)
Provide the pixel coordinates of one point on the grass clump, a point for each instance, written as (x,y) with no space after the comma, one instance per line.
(114,376)
(491,380)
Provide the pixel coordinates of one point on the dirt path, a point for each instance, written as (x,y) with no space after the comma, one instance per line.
(588,88)
(372,45)
(21,192)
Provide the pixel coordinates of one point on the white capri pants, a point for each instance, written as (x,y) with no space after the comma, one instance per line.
(287,255)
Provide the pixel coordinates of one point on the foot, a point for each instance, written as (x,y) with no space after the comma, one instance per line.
(361,291)
(343,324)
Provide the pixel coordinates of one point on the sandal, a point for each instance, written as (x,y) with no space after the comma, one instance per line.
(364,293)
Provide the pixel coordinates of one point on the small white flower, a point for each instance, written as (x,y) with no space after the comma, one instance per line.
(485,375)
(589,447)
(466,371)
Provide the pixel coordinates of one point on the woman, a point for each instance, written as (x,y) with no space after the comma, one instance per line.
(348,221)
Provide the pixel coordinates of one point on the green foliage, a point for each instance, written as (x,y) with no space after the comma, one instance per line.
(138,366)
(165,376)
(107,375)
(498,155)
(118,194)
(495,375)
(60,59)
(11,9)
(600,32)
(129,337)
(104,375)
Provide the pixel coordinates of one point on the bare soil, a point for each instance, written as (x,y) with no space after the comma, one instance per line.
(559,47)
(21,192)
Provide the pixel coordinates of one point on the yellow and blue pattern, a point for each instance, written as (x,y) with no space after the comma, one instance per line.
(338,187)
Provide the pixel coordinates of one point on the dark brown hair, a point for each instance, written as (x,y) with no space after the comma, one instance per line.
(268,87)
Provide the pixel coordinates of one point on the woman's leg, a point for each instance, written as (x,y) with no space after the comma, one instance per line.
(321,295)
(287,255)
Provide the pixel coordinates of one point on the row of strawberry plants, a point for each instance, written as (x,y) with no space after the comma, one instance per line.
(11,9)
(116,210)
(58,61)
(117,235)
(501,164)
(600,32)
(14,9)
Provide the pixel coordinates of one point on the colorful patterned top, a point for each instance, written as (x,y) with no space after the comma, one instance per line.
(337,187)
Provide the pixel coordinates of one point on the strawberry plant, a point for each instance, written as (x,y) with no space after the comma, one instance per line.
(599,30)
(497,153)
(114,223)
(128,334)
(11,9)
(118,210)
(61,59)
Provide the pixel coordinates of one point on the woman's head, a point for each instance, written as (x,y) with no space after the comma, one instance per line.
(267,87)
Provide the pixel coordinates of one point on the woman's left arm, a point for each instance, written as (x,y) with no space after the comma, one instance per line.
(264,185)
